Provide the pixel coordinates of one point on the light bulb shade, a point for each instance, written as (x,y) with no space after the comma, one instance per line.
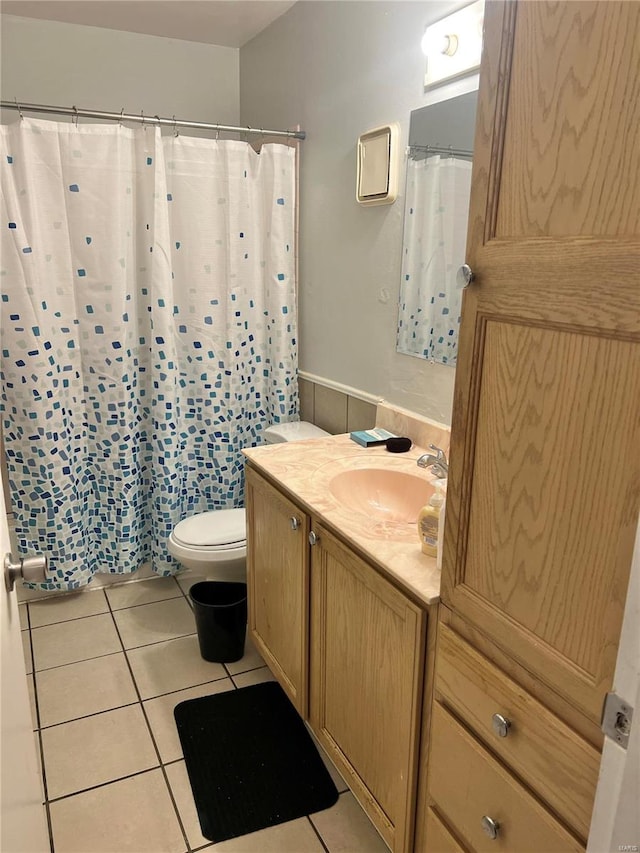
(453,45)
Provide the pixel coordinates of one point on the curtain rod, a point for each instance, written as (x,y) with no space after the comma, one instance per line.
(166,122)
(438,149)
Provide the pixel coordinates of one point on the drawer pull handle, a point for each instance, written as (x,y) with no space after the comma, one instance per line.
(500,725)
(490,827)
(313,538)
(293,521)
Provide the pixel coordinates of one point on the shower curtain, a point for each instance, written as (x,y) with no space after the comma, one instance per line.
(435,233)
(148,333)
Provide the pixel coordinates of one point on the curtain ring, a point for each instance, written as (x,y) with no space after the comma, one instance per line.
(18,107)
(157,118)
(175,128)
(74,120)
(120,119)
(144,126)
(451,152)
(217,133)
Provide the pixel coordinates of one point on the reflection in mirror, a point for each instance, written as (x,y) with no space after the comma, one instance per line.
(435,228)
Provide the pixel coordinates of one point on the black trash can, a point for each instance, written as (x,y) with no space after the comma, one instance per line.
(221,619)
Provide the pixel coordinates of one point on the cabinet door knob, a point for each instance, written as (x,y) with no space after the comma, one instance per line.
(500,725)
(490,827)
(293,521)
(465,276)
(313,538)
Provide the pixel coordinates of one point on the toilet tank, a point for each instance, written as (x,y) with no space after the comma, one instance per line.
(295,431)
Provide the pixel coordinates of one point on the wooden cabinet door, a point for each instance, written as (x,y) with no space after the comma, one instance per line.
(278,585)
(543,497)
(367,658)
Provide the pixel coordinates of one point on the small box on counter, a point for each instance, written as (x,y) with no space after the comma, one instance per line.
(371,437)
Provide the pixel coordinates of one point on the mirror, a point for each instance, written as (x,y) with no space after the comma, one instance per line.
(435,228)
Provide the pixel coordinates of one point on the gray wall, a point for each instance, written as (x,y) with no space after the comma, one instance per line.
(339,69)
(48,62)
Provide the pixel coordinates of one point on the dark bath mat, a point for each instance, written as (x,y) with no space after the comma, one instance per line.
(251,761)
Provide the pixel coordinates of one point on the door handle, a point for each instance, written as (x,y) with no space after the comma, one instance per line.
(465,276)
(30,569)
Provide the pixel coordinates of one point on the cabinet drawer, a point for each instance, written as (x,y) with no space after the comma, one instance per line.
(554,761)
(469,786)
(439,839)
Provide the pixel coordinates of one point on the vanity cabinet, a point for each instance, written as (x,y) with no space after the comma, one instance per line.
(367,659)
(363,667)
(278,585)
(544,487)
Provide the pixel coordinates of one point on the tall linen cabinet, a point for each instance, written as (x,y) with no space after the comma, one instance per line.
(544,488)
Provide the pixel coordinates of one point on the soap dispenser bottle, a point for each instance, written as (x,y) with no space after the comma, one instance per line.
(429,523)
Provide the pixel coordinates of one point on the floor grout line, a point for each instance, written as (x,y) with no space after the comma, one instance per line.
(109,654)
(320,838)
(43,770)
(72,662)
(88,716)
(152,736)
(106,612)
(103,784)
(49,825)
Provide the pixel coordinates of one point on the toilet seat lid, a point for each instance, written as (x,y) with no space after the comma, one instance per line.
(219,527)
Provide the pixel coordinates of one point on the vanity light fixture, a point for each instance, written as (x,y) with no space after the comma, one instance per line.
(453,45)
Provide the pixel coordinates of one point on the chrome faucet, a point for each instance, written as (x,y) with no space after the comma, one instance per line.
(438,463)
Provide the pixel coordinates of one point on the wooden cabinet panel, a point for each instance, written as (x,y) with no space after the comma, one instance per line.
(568,122)
(467,784)
(439,839)
(278,585)
(548,534)
(367,657)
(555,762)
(544,519)
(544,486)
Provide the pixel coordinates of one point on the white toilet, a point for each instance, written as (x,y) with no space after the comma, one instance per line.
(214,543)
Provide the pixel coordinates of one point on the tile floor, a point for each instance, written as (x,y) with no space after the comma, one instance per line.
(106,668)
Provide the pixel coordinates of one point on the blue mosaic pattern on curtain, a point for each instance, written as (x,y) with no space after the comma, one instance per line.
(435,232)
(148,333)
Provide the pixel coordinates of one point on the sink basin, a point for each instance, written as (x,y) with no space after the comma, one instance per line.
(382,494)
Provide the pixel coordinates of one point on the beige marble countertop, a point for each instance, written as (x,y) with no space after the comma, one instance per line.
(304,470)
